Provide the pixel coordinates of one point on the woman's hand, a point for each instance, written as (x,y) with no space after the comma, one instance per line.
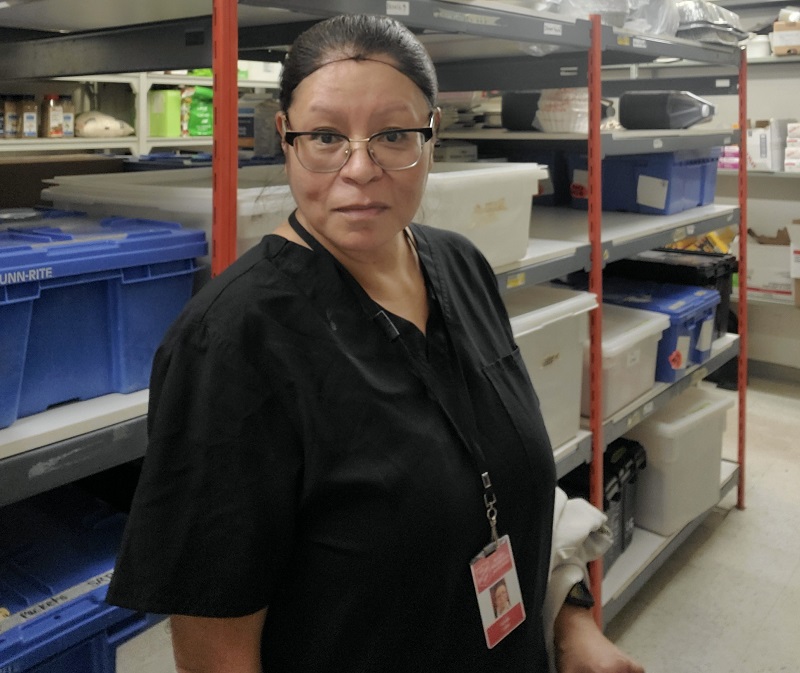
(581,647)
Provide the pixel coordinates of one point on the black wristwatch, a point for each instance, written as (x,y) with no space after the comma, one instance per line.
(580,596)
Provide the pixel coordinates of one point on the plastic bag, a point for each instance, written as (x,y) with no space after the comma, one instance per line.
(653,17)
(95,124)
(612,12)
(201,112)
(708,22)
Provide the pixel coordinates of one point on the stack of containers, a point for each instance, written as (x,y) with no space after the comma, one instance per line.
(684,267)
(84,304)
(691,312)
(488,203)
(57,553)
(683,443)
(551,328)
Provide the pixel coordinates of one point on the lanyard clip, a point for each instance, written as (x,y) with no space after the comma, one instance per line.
(490,499)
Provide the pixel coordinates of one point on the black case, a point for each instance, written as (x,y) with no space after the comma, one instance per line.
(684,267)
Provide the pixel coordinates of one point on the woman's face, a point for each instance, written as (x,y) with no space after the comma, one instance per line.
(501,601)
(362,207)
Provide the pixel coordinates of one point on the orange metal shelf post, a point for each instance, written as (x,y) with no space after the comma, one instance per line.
(742,178)
(596,286)
(225,163)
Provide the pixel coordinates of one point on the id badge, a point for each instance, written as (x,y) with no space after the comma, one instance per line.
(497,589)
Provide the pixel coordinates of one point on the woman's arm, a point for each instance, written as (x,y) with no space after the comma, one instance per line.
(581,647)
(212,645)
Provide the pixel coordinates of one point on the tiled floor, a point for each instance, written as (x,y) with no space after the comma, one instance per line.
(728,601)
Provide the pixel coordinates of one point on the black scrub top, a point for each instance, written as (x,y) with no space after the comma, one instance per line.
(296,462)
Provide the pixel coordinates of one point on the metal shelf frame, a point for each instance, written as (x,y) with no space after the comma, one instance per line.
(44,468)
(612,143)
(584,47)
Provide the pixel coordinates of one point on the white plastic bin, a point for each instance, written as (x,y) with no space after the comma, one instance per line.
(630,346)
(683,443)
(551,326)
(489,203)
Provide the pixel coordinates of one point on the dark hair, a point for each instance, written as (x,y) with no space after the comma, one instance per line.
(357,37)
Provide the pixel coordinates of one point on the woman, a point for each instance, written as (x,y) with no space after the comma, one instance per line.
(341,421)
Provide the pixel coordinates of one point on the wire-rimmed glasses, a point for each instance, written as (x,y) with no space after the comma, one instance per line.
(328,151)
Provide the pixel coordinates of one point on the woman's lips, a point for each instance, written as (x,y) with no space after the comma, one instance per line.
(362,210)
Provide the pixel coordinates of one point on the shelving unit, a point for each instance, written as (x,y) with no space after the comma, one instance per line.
(474,48)
(140,143)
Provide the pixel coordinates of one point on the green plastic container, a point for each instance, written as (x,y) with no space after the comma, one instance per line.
(164,106)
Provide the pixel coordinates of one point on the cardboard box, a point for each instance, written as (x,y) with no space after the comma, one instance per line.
(766,144)
(768,259)
(786,38)
(23,177)
(794,259)
(455,150)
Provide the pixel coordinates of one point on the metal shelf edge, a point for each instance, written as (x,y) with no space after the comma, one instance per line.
(571,454)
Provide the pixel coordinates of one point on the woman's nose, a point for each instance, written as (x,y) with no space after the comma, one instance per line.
(360,165)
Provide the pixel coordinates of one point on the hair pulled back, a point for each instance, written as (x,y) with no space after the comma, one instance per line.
(357,37)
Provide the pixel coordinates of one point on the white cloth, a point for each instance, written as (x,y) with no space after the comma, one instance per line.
(580,535)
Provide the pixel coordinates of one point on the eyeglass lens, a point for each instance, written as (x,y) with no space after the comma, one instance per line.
(391,150)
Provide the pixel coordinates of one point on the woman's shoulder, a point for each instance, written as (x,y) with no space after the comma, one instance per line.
(251,285)
(448,244)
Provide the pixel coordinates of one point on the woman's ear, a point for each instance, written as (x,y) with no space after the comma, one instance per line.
(280,124)
(437,120)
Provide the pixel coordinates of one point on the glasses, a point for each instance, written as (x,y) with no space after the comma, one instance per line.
(328,151)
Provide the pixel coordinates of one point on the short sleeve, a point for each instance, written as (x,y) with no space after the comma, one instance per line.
(212,521)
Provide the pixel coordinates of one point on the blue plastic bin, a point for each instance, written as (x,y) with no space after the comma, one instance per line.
(656,184)
(84,304)
(57,553)
(691,311)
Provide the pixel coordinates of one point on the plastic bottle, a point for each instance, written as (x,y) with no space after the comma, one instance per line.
(68,110)
(11,109)
(28,124)
(52,117)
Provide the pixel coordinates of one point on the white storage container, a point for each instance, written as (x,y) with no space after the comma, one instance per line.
(551,327)
(489,203)
(683,443)
(630,346)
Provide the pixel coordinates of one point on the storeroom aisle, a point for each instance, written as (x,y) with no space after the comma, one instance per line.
(728,601)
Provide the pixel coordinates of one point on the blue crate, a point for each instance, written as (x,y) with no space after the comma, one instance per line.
(84,304)
(57,553)
(691,311)
(655,184)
